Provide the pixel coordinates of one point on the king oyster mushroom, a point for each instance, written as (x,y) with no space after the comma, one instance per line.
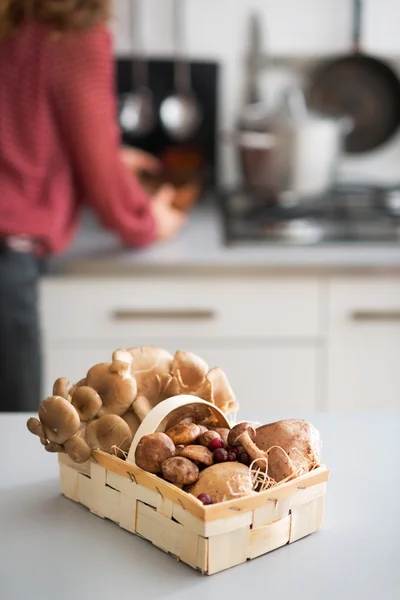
(224,481)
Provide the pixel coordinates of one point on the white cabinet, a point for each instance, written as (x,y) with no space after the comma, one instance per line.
(363,349)
(268,378)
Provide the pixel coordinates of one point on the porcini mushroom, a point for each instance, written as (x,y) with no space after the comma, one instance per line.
(244,435)
(189,413)
(198,454)
(206,437)
(87,402)
(59,419)
(109,433)
(60,388)
(152,450)
(115,386)
(224,481)
(184,433)
(223,433)
(180,471)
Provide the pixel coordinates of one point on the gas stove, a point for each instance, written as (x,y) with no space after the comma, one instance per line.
(346,214)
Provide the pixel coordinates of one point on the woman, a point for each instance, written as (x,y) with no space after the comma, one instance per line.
(59,148)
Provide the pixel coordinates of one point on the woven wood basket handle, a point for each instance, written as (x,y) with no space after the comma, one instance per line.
(163,413)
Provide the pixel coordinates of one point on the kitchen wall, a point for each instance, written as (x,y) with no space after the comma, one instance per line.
(216,29)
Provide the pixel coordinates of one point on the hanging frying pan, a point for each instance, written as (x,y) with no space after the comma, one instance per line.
(362,87)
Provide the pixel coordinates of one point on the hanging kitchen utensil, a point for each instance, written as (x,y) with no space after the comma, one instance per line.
(362,87)
(137,115)
(180,112)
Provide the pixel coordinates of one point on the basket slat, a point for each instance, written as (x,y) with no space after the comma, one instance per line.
(269,537)
(228,550)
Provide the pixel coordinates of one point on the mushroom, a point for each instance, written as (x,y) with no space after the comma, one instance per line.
(198,454)
(76,385)
(87,402)
(152,450)
(78,449)
(203,429)
(223,433)
(141,407)
(223,395)
(115,386)
(191,369)
(244,435)
(35,427)
(60,388)
(180,471)
(109,433)
(52,447)
(131,418)
(59,419)
(189,413)
(206,437)
(184,433)
(224,481)
(150,366)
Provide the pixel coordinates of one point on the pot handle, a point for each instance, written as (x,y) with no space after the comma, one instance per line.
(158,417)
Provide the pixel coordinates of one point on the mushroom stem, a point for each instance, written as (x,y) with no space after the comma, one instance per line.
(35,427)
(60,388)
(250,447)
(141,407)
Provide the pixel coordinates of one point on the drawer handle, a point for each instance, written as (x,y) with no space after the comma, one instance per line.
(179,314)
(376,315)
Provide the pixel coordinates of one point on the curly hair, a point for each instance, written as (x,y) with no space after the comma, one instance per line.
(62,15)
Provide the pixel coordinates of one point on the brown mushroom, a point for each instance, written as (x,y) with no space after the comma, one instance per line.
(76,385)
(150,367)
(131,418)
(191,368)
(141,407)
(223,433)
(180,471)
(203,429)
(109,433)
(184,433)
(59,419)
(60,388)
(116,387)
(198,454)
(87,402)
(152,450)
(78,449)
(190,413)
(206,437)
(244,435)
(224,481)
(35,427)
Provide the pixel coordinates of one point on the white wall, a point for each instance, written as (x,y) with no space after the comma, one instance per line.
(216,29)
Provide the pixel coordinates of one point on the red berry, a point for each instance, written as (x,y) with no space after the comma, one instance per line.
(232,456)
(234,449)
(216,443)
(244,458)
(220,455)
(205,498)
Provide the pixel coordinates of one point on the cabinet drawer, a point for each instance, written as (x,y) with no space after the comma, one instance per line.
(128,308)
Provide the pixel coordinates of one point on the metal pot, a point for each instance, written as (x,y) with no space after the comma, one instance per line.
(292,154)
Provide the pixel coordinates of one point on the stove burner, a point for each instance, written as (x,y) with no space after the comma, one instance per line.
(348,213)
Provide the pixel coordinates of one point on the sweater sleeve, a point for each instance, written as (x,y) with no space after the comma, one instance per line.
(81,89)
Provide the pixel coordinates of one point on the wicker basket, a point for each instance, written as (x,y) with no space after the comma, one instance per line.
(208,538)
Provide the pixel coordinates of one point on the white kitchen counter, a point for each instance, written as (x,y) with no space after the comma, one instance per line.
(199,248)
(52,548)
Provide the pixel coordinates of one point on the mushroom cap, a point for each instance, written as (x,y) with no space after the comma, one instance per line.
(60,388)
(223,433)
(150,367)
(184,433)
(59,418)
(109,433)
(152,450)
(224,481)
(35,427)
(189,413)
(198,454)
(238,430)
(191,368)
(223,395)
(117,390)
(180,471)
(77,449)
(52,447)
(207,437)
(87,402)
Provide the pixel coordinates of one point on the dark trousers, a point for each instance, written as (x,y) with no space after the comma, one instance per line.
(20,349)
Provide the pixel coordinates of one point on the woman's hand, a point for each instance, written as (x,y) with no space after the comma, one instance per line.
(137,160)
(168,219)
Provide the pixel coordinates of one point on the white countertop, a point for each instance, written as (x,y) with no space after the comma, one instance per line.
(200,248)
(52,548)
